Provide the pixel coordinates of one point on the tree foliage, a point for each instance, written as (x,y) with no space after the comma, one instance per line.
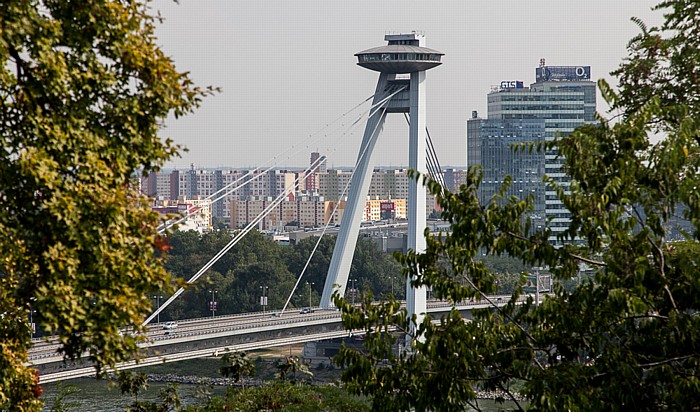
(285,396)
(237,365)
(84,89)
(258,262)
(290,368)
(627,337)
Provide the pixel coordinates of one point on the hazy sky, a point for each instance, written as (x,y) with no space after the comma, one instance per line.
(287,68)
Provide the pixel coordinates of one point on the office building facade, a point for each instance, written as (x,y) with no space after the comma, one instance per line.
(561,99)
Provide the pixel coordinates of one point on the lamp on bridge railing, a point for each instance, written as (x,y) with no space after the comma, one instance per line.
(263,297)
(158,298)
(212,304)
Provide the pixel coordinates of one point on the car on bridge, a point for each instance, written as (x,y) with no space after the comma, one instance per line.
(170,326)
(304,311)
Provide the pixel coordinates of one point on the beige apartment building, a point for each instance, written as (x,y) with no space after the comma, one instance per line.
(308,211)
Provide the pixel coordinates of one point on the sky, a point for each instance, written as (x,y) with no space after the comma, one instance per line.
(288,74)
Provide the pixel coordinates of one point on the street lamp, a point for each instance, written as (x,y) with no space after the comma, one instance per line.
(310,284)
(31,322)
(263,297)
(158,298)
(212,304)
(354,291)
(391,278)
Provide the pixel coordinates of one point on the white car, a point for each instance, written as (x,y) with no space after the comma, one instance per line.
(170,326)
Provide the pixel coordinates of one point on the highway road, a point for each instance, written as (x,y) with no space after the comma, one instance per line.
(190,330)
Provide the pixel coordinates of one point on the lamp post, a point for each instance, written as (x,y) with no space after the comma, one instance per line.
(310,284)
(31,322)
(31,318)
(213,302)
(391,278)
(158,298)
(354,291)
(263,297)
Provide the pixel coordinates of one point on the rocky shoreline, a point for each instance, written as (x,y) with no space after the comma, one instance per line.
(199,380)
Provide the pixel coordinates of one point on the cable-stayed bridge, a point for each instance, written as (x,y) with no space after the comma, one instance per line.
(402,66)
(211,336)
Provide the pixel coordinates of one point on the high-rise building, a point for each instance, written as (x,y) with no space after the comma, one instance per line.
(561,99)
(491,144)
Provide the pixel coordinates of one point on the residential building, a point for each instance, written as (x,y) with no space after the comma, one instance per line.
(198,212)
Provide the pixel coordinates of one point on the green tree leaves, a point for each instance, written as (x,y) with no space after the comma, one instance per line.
(84,90)
(237,365)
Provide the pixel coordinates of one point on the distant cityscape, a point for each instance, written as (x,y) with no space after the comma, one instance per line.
(561,99)
(315,199)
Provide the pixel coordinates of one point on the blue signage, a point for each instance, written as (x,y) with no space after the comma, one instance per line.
(562,73)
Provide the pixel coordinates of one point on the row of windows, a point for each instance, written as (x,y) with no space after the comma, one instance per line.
(551,116)
(404,42)
(398,57)
(539,97)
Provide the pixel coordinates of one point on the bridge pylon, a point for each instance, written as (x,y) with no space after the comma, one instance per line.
(395,93)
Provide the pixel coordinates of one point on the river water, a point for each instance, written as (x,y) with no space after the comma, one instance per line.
(100,396)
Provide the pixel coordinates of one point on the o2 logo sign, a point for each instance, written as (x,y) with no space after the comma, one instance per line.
(558,73)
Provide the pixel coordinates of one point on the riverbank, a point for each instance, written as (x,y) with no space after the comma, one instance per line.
(200,380)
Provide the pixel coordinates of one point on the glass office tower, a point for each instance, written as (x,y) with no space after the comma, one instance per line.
(561,99)
(492,144)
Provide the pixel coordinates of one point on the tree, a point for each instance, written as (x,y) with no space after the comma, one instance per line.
(293,366)
(626,338)
(237,365)
(84,90)
(60,403)
(374,269)
(132,384)
(298,254)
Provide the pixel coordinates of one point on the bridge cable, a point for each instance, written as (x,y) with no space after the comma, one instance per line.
(436,161)
(235,240)
(325,228)
(163,227)
(432,164)
(247,229)
(255,177)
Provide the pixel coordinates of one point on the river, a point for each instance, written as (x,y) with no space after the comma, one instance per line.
(100,396)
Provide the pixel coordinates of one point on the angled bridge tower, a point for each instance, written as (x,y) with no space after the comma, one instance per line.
(404,54)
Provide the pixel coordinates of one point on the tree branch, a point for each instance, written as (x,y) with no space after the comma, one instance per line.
(19,63)
(510,395)
(519,326)
(662,261)
(573,255)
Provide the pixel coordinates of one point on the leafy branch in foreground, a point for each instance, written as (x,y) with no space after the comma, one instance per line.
(84,91)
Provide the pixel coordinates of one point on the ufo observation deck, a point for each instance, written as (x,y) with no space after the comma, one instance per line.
(401,55)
